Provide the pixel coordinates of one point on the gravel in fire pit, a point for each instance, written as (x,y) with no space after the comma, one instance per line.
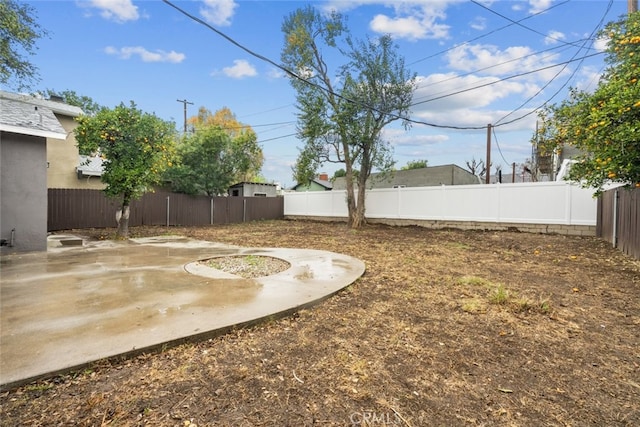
(249,266)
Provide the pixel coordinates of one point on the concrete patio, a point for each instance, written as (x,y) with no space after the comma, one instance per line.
(81,302)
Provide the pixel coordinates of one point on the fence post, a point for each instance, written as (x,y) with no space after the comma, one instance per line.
(244,210)
(211,213)
(167,211)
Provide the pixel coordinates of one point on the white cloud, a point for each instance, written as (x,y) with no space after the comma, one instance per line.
(495,61)
(536,6)
(601,43)
(588,78)
(409,28)
(218,12)
(410,19)
(275,73)
(554,37)
(240,69)
(115,10)
(145,55)
(479,23)
(414,21)
(402,138)
(434,92)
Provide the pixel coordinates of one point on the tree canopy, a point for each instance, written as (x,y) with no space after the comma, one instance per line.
(604,124)
(19,32)
(218,153)
(137,147)
(87,104)
(414,164)
(342,110)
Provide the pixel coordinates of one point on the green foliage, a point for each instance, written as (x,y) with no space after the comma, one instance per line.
(339,174)
(87,104)
(343,109)
(604,125)
(414,164)
(137,147)
(18,34)
(210,160)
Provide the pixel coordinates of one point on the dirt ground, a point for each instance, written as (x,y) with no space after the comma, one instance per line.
(446,328)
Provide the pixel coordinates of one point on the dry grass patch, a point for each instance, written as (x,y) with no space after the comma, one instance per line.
(445,328)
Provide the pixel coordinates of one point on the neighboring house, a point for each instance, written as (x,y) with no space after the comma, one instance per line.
(253,189)
(422,177)
(90,166)
(321,183)
(65,167)
(26,128)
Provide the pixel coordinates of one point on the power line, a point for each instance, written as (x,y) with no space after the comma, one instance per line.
(581,60)
(519,23)
(495,138)
(267,111)
(277,137)
(505,79)
(255,126)
(488,34)
(317,86)
(468,73)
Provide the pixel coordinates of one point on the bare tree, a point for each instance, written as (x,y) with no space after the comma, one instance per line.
(476,167)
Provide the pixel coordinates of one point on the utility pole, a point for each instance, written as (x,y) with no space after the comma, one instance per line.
(632,6)
(185,102)
(487,177)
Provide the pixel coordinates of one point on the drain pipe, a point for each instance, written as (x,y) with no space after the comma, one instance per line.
(13,237)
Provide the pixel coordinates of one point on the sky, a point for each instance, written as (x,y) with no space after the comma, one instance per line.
(477,63)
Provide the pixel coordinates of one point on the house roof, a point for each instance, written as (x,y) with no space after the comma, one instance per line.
(55,106)
(27,115)
(432,175)
(240,184)
(321,182)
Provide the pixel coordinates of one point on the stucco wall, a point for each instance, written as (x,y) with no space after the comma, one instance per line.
(62,156)
(23,191)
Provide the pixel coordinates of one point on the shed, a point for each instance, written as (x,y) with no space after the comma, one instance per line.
(253,189)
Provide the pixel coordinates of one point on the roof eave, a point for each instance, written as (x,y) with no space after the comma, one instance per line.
(32,132)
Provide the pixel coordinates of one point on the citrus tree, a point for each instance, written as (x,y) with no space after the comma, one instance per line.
(136,147)
(604,124)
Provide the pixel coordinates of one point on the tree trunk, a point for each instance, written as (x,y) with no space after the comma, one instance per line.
(358,217)
(351,198)
(122,218)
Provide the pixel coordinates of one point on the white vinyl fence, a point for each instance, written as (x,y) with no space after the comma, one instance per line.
(559,203)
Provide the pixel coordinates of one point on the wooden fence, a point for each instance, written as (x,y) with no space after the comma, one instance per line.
(80,208)
(618,220)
